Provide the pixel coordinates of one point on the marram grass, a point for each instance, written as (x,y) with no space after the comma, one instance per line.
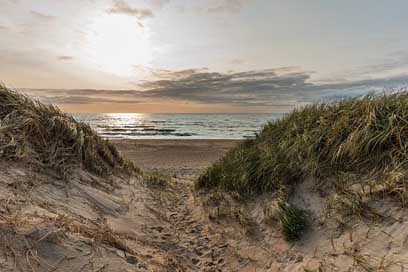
(293,221)
(45,137)
(364,137)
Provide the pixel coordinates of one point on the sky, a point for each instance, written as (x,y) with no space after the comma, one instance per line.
(201,55)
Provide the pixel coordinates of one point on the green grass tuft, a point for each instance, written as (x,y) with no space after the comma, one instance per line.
(293,222)
(43,136)
(365,136)
(155,179)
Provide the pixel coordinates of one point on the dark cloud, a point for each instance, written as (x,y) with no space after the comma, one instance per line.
(42,16)
(122,7)
(82,92)
(64,58)
(393,62)
(241,88)
(283,87)
(396,61)
(263,88)
(82,100)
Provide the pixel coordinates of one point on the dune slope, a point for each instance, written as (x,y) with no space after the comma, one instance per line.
(325,185)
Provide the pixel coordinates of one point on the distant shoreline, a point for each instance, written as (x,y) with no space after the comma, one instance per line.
(177,126)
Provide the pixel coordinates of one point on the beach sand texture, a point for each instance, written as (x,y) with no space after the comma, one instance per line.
(133,225)
(174,157)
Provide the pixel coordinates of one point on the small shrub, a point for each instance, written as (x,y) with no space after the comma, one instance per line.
(293,222)
(155,179)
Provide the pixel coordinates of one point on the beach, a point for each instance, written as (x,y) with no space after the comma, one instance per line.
(174,157)
(289,201)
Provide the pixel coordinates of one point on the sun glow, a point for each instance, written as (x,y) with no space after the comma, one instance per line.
(116,44)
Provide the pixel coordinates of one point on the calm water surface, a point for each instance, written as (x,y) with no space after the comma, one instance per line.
(173,126)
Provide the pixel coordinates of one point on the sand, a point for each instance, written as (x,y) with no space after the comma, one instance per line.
(89,223)
(179,157)
(234,236)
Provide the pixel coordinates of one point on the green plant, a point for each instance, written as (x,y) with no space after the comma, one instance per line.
(155,179)
(364,136)
(293,222)
(43,136)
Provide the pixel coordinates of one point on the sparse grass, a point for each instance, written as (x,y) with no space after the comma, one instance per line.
(293,222)
(155,179)
(43,136)
(365,136)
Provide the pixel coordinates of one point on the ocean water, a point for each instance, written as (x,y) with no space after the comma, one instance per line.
(177,126)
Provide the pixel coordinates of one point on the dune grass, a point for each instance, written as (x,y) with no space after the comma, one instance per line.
(43,136)
(155,179)
(293,221)
(365,138)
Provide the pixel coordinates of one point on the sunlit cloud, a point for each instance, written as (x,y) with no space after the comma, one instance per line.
(284,87)
(65,58)
(228,6)
(122,7)
(41,16)
(148,51)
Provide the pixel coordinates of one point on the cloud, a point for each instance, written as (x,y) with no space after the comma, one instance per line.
(122,7)
(41,16)
(159,3)
(263,87)
(284,87)
(228,6)
(65,58)
(392,65)
(237,62)
(82,100)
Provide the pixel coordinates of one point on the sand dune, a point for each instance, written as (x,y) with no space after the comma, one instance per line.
(70,201)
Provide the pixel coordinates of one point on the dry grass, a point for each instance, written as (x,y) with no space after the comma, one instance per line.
(156,179)
(365,138)
(22,248)
(44,137)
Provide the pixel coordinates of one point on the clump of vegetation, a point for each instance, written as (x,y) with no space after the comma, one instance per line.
(365,136)
(155,179)
(293,222)
(45,137)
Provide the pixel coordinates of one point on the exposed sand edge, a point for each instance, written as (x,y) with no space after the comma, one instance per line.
(365,245)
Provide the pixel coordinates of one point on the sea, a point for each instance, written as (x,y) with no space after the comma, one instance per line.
(177,126)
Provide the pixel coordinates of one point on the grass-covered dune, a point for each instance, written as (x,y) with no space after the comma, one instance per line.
(44,137)
(358,139)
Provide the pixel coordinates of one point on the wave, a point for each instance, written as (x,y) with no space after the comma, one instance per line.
(156,133)
(203,126)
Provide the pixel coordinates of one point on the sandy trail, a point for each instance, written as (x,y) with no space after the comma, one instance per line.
(191,241)
(126,224)
(177,235)
(91,224)
(186,239)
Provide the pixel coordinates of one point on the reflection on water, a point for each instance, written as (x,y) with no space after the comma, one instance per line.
(194,126)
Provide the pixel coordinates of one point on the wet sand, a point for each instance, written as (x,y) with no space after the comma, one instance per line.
(175,157)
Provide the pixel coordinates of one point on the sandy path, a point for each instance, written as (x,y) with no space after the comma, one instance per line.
(180,157)
(187,241)
(191,241)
